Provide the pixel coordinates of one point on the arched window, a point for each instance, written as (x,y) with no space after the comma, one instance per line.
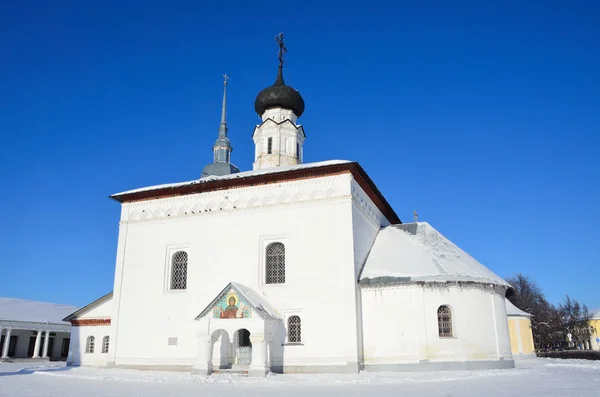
(105,343)
(444,322)
(179,270)
(275,264)
(89,344)
(294,329)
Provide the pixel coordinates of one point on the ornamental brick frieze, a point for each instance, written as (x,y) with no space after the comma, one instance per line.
(90,322)
(313,190)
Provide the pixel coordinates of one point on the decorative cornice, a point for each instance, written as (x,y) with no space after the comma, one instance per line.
(366,206)
(273,178)
(91,322)
(300,192)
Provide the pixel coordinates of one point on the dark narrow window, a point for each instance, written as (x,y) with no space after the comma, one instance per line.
(275,263)
(105,343)
(298,151)
(89,344)
(294,329)
(179,270)
(269,145)
(444,322)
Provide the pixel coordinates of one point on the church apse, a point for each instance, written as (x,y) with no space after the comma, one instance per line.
(232,305)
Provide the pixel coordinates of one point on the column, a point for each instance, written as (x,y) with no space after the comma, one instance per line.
(6,343)
(259,366)
(203,364)
(232,350)
(46,342)
(36,349)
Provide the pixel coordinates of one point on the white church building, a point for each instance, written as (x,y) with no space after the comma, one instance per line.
(288,268)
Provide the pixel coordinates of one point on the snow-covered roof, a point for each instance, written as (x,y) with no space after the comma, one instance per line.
(14,309)
(239,175)
(595,314)
(257,301)
(512,310)
(416,252)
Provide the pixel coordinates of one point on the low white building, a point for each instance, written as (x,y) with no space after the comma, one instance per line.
(290,267)
(31,329)
(90,332)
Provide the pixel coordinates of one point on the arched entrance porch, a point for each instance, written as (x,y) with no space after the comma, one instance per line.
(231,332)
(231,350)
(244,351)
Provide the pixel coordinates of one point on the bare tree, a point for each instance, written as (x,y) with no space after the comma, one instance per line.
(575,320)
(545,321)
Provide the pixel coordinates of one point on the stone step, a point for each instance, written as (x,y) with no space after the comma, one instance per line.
(240,372)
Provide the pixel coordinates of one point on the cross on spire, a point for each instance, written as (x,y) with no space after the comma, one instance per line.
(282,49)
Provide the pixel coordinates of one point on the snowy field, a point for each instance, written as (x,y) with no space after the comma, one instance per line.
(538,377)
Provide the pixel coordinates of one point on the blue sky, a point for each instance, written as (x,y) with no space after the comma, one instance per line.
(482,116)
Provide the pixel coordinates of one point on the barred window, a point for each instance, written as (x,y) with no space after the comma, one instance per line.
(89,344)
(105,343)
(179,270)
(445,322)
(269,145)
(294,329)
(275,263)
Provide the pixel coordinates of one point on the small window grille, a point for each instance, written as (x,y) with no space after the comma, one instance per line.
(179,270)
(444,322)
(294,329)
(105,344)
(275,263)
(89,344)
(269,145)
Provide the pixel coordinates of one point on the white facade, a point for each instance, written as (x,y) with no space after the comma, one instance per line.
(315,214)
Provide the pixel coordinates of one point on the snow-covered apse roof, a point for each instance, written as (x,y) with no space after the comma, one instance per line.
(595,314)
(13,309)
(512,310)
(416,252)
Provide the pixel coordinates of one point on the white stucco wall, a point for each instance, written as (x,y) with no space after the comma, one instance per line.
(400,324)
(313,218)
(102,311)
(77,354)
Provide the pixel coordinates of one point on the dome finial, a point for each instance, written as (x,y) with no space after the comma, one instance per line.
(279,95)
(282,50)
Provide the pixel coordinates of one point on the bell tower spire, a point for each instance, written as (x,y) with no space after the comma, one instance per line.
(222,148)
(223,126)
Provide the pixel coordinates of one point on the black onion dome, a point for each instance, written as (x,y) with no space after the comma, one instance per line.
(279,95)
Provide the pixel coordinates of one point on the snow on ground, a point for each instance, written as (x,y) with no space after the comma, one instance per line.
(537,377)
